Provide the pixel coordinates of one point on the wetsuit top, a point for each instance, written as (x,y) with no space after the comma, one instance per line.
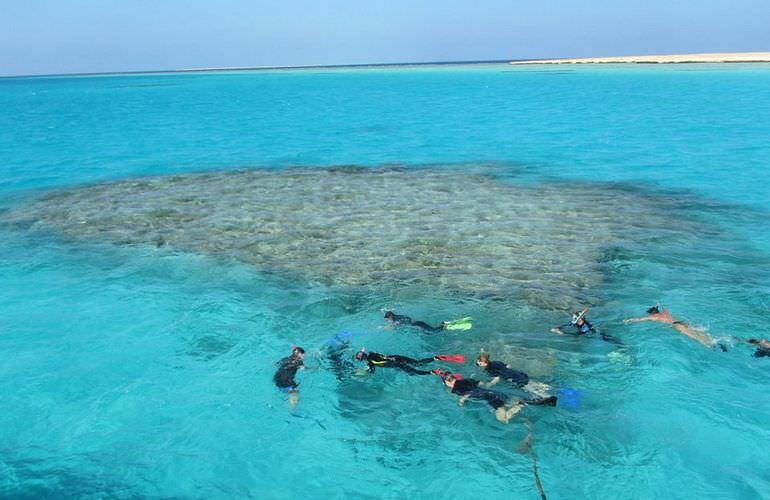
(287,369)
(470,387)
(762,352)
(375,359)
(464,386)
(499,369)
(583,329)
(406,320)
(400,318)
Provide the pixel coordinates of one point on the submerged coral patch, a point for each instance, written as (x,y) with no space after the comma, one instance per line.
(450,230)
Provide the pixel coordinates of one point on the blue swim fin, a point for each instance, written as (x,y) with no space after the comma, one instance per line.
(569,398)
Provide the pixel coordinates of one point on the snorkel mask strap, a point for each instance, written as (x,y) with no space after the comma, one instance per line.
(578,316)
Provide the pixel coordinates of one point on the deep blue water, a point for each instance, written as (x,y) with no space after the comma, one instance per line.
(129,371)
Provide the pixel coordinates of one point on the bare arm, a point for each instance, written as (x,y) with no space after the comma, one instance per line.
(463,399)
(492,382)
(637,320)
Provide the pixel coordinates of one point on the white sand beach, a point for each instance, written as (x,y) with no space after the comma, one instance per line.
(714,57)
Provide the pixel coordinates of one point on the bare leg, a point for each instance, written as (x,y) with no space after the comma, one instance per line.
(293,399)
(694,333)
(504,414)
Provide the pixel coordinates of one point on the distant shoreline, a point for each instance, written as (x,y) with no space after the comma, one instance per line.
(711,57)
(716,57)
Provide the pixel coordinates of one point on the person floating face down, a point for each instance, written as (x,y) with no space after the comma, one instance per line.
(763,347)
(376,360)
(338,356)
(500,371)
(581,326)
(399,319)
(657,315)
(287,370)
(468,388)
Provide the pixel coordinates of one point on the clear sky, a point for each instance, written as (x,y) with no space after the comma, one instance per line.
(68,36)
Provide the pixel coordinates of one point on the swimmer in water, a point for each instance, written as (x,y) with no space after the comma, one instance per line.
(401,320)
(655,314)
(287,369)
(376,360)
(581,326)
(338,356)
(468,388)
(500,371)
(762,345)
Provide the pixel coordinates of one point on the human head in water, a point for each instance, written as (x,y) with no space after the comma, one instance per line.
(361,355)
(389,315)
(483,360)
(450,379)
(654,309)
(297,352)
(578,318)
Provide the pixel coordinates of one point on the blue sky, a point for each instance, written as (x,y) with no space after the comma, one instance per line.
(67,36)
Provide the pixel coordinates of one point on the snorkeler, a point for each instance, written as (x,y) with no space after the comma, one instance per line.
(500,371)
(581,326)
(339,363)
(287,369)
(375,360)
(579,322)
(763,347)
(655,314)
(468,388)
(399,319)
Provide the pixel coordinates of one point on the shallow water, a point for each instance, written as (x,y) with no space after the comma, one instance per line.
(167,238)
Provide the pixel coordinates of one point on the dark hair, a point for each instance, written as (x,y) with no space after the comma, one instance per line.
(389,314)
(753,341)
(298,349)
(653,310)
(360,355)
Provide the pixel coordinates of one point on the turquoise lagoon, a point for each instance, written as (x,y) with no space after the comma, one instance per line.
(165,238)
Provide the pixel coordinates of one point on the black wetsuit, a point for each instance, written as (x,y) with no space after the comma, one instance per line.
(470,387)
(406,320)
(762,352)
(339,362)
(287,369)
(585,329)
(499,369)
(375,359)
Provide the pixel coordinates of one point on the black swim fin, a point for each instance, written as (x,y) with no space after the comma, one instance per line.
(546,401)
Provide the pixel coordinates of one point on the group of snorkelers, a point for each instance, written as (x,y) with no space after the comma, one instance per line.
(505,407)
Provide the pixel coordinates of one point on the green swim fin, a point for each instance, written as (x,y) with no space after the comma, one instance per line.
(465,323)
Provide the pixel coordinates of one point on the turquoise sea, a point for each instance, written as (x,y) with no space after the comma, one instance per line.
(166,238)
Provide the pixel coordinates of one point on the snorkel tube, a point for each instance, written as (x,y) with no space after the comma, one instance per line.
(578,316)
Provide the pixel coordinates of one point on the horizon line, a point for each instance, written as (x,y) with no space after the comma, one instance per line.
(546,60)
(265,68)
